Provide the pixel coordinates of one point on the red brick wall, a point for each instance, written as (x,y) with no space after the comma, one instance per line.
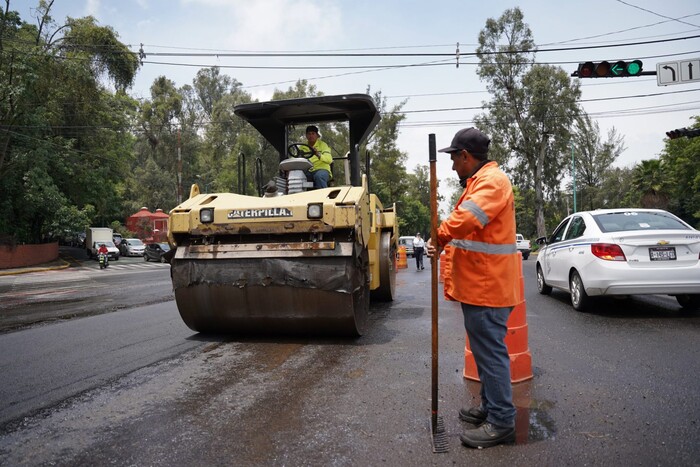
(27,255)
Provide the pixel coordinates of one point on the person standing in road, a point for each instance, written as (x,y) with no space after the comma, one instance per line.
(418,249)
(481,230)
(321,160)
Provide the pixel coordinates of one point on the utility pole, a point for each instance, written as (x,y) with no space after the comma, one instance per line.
(573,169)
(179,168)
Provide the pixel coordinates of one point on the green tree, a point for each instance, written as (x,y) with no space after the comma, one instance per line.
(62,148)
(387,162)
(415,205)
(649,182)
(594,159)
(531,110)
(681,162)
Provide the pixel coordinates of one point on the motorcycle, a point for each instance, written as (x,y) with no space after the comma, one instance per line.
(103,260)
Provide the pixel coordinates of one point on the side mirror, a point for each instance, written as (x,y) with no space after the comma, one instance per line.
(541,241)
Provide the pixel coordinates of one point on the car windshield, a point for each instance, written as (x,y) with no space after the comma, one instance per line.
(164,246)
(636,220)
(107,244)
(135,242)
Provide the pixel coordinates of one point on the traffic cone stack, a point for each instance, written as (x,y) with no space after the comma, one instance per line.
(401,260)
(516,341)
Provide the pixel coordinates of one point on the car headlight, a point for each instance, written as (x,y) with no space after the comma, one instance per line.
(314,211)
(206,215)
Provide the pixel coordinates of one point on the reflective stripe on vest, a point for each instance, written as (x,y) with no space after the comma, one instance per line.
(479,213)
(488,248)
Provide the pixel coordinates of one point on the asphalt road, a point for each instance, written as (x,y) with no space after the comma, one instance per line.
(81,290)
(615,386)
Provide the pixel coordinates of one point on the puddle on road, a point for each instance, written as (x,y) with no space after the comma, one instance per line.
(532,420)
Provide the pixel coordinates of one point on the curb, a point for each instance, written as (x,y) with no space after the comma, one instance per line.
(16,271)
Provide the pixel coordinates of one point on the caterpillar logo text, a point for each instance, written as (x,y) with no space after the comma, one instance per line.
(257,213)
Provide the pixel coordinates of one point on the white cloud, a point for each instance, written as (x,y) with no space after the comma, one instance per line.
(277,24)
(92,8)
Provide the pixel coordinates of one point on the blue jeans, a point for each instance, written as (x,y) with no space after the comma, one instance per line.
(321,177)
(486,328)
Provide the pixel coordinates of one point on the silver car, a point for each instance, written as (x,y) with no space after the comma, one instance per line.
(132,247)
(619,252)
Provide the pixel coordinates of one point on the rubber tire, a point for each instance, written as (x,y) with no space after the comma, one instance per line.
(162,259)
(145,258)
(525,257)
(689,301)
(387,270)
(579,297)
(542,286)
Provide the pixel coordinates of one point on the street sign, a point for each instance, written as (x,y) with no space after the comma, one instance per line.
(678,72)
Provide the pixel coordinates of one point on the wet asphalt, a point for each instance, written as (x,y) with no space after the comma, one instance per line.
(617,385)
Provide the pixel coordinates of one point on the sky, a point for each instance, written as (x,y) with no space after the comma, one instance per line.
(439,97)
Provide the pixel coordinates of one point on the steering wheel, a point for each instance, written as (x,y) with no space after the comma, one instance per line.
(300,150)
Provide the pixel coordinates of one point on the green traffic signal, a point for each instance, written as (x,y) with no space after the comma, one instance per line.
(634,68)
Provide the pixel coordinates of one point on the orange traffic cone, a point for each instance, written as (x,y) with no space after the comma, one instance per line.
(516,341)
(401,261)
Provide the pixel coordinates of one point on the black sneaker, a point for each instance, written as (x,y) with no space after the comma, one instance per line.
(487,435)
(475,415)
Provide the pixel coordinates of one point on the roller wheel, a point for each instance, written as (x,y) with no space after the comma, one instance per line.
(387,270)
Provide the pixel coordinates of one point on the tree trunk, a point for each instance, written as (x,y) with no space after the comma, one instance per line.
(539,195)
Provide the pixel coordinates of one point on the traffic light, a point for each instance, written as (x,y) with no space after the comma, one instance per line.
(607,69)
(681,132)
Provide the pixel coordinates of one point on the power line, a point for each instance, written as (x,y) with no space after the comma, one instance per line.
(657,14)
(444,62)
(626,30)
(136,128)
(364,54)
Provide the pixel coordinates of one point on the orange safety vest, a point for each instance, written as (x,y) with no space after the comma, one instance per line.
(481,230)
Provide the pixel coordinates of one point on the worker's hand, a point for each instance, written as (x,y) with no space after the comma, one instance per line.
(432,250)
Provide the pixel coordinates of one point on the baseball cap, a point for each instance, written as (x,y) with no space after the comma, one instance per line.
(470,139)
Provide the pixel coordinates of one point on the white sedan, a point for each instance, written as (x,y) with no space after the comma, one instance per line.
(621,252)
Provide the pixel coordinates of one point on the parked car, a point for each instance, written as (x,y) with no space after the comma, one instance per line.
(620,252)
(522,245)
(155,251)
(132,247)
(407,242)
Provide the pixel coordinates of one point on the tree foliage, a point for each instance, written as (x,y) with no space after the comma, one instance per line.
(594,160)
(63,132)
(531,111)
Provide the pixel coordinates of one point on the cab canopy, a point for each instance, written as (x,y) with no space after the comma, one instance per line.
(273,118)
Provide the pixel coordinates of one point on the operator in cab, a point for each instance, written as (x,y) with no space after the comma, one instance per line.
(322,158)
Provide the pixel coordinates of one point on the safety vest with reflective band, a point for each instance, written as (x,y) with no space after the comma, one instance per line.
(481,230)
(324,161)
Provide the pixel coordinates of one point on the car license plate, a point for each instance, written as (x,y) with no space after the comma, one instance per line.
(663,253)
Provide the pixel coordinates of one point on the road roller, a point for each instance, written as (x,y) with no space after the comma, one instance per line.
(296,260)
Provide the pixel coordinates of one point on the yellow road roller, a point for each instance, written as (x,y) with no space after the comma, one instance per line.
(296,260)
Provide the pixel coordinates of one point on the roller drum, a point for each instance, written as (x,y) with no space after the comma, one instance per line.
(315,296)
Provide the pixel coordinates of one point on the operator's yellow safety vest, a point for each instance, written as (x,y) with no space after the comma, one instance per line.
(481,230)
(325,160)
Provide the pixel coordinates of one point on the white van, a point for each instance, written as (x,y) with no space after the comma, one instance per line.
(407,242)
